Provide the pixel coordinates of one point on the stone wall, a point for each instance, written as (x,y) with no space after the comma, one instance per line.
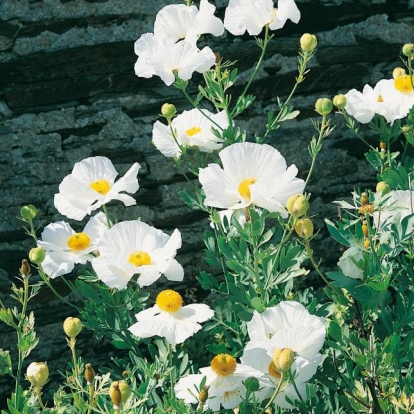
(68,91)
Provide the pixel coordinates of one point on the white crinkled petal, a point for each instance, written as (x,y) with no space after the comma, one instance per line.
(188,388)
(164,141)
(110,274)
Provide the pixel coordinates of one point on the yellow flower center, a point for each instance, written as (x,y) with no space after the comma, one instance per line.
(79,241)
(273,371)
(404,84)
(380,98)
(192,131)
(224,365)
(140,258)
(244,187)
(100,186)
(169,301)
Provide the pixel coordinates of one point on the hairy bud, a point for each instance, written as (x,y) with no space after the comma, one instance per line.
(72,327)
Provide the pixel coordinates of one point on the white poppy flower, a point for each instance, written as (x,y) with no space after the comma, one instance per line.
(352,263)
(169,319)
(133,247)
(251,174)
(92,184)
(225,378)
(64,247)
(158,58)
(178,21)
(253,15)
(191,129)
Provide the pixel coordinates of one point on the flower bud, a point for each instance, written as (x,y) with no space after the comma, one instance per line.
(406,129)
(25,268)
(397,72)
(168,111)
(283,359)
(364,228)
(203,395)
(29,212)
(308,42)
(382,187)
(89,373)
(125,390)
(366,243)
(323,106)
(115,394)
(72,327)
(408,49)
(37,373)
(252,384)
(297,205)
(304,228)
(364,198)
(37,255)
(339,101)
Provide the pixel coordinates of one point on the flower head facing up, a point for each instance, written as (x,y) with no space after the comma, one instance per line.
(251,174)
(134,248)
(169,319)
(191,129)
(253,15)
(64,247)
(92,184)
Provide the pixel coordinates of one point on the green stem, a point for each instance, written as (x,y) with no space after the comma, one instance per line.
(108,220)
(72,343)
(39,397)
(91,388)
(315,265)
(279,386)
(170,363)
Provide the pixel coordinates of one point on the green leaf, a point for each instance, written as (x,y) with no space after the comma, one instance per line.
(335,331)
(5,363)
(333,231)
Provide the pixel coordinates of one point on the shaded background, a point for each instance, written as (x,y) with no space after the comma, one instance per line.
(68,91)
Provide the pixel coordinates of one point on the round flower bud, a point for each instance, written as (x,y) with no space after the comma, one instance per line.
(304,228)
(364,198)
(115,394)
(89,373)
(339,101)
(125,390)
(25,268)
(37,373)
(29,212)
(364,229)
(203,395)
(252,384)
(168,111)
(283,359)
(408,49)
(37,255)
(297,205)
(382,187)
(406,129)
(397,72)
(366,243)
(323,106)
(308,42)
(72,327)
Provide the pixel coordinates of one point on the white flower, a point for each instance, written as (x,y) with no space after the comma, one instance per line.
(191,129)
(178,21)
(91,185)
(225,381)
(253,15)
(64,247)
(251,174)
(133,247)
(169,319)
(158,58)
(352,263)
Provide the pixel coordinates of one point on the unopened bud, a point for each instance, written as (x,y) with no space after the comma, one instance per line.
(406,129)
(366,243)
(397,72)
(364,229)
(125,390)
(297,205)
(308,42)
(168,111)
(203,395)
(115,394)
(218,57)
(283,359)
(323,106)
(252,384)
(382,187)
(37,255)
(28,212)
(89,373)
(408,49)
(72,327)
(25,268)
(364,198)
(304,228)
(339,101)
(37,373)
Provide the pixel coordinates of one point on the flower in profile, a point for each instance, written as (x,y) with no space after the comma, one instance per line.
(167,61)
(134,248)
(64,247)
(253,15)
(352,263)
(225,378)
(178,21)
(252,174)
(92,184)
(169,319)
(191,129)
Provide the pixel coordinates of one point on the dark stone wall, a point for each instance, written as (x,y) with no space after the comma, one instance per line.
(68,91)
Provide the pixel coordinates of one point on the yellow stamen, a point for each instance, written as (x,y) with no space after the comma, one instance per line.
(100,186)
(193,131)
(224,365)
(404,84)
(79,241)
(139,258)
(169,301)
(244,188)
(380,98)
